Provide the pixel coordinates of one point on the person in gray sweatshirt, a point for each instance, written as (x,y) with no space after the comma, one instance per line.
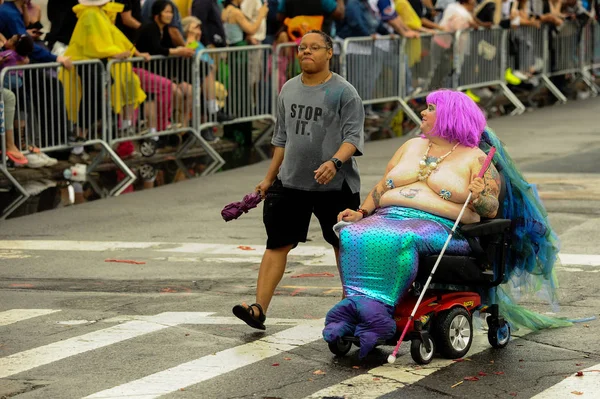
(319,131)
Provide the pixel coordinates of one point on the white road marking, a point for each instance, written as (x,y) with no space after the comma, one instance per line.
(393,377)
(580,260)
(192,248)
(133,326)
(319,255)
(585,386)
(207,367)
(27,360)
(15,315)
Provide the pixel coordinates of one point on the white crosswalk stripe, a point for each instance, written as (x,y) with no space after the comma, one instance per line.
(218,253)
(373,384)
(16,315)
(392,377)
(211,366)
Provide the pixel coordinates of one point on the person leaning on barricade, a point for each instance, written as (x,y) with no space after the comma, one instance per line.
(213,92)
(154,38)
(319,130)
(95,37)
(51,124)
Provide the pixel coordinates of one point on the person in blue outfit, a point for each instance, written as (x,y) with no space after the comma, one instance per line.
(47,88)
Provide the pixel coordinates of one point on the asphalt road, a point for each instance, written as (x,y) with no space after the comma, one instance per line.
(161,324)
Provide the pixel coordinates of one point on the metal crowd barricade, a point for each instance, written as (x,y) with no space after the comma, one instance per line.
(148,99)
(480,61)
(591,51)
(376,67)
(528,49)
(237,78)
(421,54)
(58,109)
(566,53)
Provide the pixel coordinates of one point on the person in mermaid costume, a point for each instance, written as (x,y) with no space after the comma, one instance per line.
(411,211)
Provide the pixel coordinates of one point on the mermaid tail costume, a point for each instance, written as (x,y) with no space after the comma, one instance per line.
(379,260)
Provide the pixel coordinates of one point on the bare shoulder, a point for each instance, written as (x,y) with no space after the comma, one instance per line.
(414,143)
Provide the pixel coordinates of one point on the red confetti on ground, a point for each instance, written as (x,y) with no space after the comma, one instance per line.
(458,360)
(275,364)
(376,379)
(245,248)
(471,378)
(513,394)
(577,393)
(131,262)
(579,374)
(314,275)
(21,285)
(287,358)
(168,290)
(482,374)
(578,364)
(356,367)
(499,372)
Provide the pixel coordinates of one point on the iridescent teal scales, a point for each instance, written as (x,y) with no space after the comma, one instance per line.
(379,255)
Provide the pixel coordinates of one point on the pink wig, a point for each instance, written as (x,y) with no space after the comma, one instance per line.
(458,118)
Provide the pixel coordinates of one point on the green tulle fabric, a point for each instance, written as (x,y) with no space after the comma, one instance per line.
(531,261)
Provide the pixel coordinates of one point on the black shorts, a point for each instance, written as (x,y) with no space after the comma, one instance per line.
(287,213)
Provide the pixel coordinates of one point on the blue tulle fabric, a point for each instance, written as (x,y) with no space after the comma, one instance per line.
(530,266)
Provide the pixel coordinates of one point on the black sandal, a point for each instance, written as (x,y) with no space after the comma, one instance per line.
(247,315)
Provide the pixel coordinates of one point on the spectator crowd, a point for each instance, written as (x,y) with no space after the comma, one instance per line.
(65,105)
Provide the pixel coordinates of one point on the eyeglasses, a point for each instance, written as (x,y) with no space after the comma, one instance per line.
(313,48)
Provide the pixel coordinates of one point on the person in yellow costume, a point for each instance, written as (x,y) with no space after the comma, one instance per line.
(184,7)
(96,37)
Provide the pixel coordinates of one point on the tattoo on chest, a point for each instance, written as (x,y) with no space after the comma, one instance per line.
(409,193)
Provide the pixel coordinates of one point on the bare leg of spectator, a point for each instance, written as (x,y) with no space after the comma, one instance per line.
(12,151)
(151,110)
(178,100)
(186,102)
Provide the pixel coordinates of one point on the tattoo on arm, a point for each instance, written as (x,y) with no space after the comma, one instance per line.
(487,204)
(376,195)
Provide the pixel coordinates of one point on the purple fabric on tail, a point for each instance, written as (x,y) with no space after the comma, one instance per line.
(376,322)
(341,321)
(236,209)
(362,317)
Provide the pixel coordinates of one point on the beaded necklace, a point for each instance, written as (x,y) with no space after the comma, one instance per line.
(429,164)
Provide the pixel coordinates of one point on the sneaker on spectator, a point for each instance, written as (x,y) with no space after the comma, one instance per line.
(207,134)
(35,160)
(510,78)
(49,160)
(370,114)
(520,75)
(223,117)
(473,96)
(485,93)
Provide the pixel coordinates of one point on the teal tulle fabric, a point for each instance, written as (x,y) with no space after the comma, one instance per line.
(530,264)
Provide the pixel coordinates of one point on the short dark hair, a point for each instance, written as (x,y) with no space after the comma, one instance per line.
(24,45)
(326,38)
(159,6)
